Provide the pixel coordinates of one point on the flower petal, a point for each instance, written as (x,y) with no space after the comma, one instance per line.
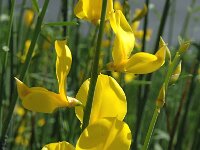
(143,63)
(63,64)
(39,99)
(108,94)
(59,146)
(90,10)
(105,134)
(124,40)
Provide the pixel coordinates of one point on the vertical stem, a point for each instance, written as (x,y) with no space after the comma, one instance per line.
(171,22)
(187,105)
(139,94)
(162,23)
(1,1)
(19,25)
(5,57)
(187,20)
(148,77)
(65,15)
(178,113)
(94,75)
(24,69)
(145,27)
(151,128)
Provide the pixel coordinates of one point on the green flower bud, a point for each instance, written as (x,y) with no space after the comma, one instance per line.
(161,98)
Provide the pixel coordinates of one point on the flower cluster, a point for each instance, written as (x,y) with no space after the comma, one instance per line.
(106,129)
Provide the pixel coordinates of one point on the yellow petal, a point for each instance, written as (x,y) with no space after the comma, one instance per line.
(59,146)
(143,63)
(28,17)
(63,64)
(117,5)
(124,40)
(109,99)
(105,134)
(39,99)
(90,10)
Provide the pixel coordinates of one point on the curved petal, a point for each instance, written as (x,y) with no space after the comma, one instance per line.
(143,63)
(39,99)
(90,10)
(105,134)
(124,40)
(63,64)
(59,146)
(108,94)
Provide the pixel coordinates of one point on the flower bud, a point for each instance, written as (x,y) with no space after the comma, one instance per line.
(175,74)
(183,47)
(161,98)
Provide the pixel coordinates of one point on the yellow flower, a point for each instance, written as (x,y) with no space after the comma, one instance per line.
(117,5)
(20,140)
(139,33)
(19,110)
(107,94)
(91,11)
(124,39)
(41,122)
(106,130)
(25,52)
(128,77)
(139,63)
(39,99)
(28,17)
(59,146)
(104,134)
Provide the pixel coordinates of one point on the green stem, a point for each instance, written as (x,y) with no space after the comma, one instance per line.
(5,57)
(172,67)
(145,27)
(151,128)
(24,69)
(65,15)
(188,103)
(94,75)
(139,94)
(162,23)
(187,19)
(171,22)
(20,24)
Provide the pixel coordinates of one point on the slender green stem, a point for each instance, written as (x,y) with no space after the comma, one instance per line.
(5,57)
(187,19)
(172,67)
(162,23)
(171,22)
(188,103)
(1,1)
(24,69)
(94,75)
(148,77)
(139,94)
(65,15)
(151,128)
(145,27)
(19,25)
(178,113)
